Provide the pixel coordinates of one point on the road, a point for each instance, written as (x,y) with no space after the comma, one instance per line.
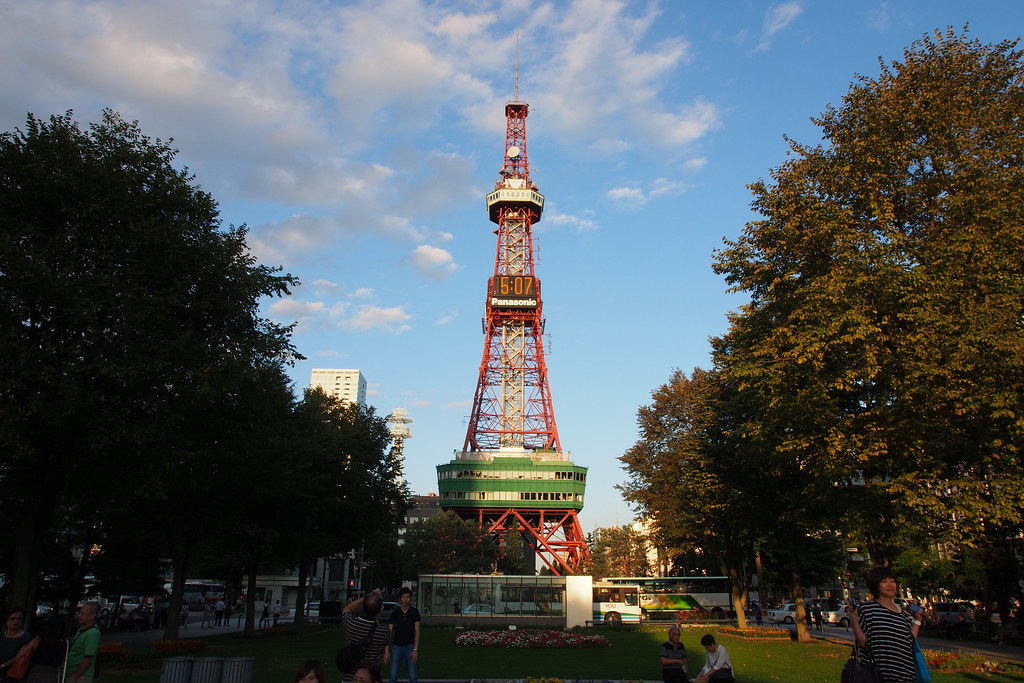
(987,647)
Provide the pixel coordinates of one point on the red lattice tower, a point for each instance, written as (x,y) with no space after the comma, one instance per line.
(512,473)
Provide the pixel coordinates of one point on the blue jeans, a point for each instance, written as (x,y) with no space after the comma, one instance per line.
(400,653)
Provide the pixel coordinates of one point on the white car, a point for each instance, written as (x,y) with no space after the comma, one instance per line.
(786,614)
(838,617)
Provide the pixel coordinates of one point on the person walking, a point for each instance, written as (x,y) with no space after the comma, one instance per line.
(673,659)
(277,611)
(405,627)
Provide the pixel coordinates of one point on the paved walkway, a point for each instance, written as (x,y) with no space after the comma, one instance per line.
(987,647)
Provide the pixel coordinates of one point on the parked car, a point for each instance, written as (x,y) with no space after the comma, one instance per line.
(837,617)
(386,610)
(478,610)
(313,610)
(785,614)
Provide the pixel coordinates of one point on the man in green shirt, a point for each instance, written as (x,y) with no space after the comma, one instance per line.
(85,646)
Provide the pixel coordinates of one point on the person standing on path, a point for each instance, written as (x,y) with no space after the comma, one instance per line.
(887,634)
(85,646)
(673,659)
(405,625)
(277,611)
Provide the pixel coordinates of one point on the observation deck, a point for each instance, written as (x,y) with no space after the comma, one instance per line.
(515,193)
(548,481)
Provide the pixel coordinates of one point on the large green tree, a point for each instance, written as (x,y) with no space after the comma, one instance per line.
(445,544)
(121,295)
(695,476)
(883,335)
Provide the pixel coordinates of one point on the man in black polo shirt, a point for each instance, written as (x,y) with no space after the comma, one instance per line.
(673,659)
(405,625)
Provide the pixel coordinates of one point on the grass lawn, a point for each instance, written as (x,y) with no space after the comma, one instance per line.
(632,656)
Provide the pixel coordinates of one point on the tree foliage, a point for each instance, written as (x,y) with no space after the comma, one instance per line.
(619,551)
(874,381)
(886,292)
(120,293)
(445,544)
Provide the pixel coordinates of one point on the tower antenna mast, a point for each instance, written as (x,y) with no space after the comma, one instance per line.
(517,68)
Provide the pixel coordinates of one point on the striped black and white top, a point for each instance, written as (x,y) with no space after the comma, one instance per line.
(890,641)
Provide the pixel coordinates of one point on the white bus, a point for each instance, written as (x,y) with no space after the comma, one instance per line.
(616,604)
(666,597)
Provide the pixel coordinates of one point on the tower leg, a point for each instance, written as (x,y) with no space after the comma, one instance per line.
(555,536)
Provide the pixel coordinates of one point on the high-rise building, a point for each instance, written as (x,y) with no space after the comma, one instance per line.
(348,386)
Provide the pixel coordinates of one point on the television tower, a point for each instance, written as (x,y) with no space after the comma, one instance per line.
(512,475)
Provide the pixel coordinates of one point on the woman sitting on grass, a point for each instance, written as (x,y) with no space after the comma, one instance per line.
(718,668)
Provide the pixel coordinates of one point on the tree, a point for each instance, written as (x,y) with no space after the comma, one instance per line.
(619,551)
(886,284)
(445,544)
(349,494)
(105,249)
(688,477)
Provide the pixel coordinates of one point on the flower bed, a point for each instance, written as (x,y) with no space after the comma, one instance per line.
(545,638)
(940,660)
(178,647)
(755,632)
(114,652)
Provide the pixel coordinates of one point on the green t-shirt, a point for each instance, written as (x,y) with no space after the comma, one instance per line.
(86,643)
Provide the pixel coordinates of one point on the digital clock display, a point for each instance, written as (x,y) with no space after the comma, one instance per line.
(515,291)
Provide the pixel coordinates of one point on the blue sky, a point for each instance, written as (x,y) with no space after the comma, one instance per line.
(357,141)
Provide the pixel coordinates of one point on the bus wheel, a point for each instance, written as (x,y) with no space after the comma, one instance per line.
(613,619)
(644,616)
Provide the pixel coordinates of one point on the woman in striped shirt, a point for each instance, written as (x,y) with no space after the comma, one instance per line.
(884,631)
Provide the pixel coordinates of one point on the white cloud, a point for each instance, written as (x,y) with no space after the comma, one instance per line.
(366,318)
(635,195)
(627,195)
(780,16)
(432,261)
(776,19)
(323,107)
(695,164)
(325,287)
(578,223)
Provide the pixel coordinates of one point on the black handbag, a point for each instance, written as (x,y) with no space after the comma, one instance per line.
(353,653)
(859,670)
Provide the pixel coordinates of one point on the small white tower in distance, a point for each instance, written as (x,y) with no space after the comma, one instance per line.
(399,422)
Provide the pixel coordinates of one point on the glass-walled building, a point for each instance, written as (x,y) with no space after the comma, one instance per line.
(462,598)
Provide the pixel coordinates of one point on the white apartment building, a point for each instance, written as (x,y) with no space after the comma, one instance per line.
(348,386)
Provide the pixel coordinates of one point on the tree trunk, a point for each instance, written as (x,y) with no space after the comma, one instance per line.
(300,599)
(42,491)
(738,587)
(180,562)
(250,598)
(803,634)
